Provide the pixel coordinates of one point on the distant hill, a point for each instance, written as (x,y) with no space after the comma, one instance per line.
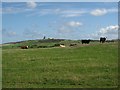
(45,43)
(33,43)
(40,40)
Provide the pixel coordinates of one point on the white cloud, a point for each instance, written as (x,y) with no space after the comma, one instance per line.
(103,11)
(74,24)
(9,10)
(76,13)
(13,33)
(12,10)
(7,33)
(98,12)
(32,32)
(111,32)
(62,12)
(64,30)
(112,10)
(72,13)
(31,4)
(113,29)
(69,27)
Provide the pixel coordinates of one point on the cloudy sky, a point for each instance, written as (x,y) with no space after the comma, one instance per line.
(66,20)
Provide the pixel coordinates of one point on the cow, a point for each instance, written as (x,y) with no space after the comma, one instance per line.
(102,39)
(62,46)
(73,44)
(85,41)
(24,47)
(42,47)
(56,45)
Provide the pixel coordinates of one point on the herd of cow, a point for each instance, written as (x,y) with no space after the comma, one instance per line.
(102,40)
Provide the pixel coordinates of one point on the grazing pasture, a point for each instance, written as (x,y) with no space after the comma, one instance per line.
(82,66)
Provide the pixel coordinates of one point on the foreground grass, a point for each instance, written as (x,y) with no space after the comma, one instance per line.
(81,67)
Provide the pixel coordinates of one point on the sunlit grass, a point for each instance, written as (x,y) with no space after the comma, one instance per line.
(78,67)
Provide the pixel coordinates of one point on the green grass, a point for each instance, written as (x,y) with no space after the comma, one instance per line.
(85,66)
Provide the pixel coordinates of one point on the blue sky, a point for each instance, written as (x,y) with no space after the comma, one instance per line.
(67,20)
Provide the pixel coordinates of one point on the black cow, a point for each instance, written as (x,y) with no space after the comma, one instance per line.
(73,44)
(102,39)
(62,44)
(85,41)
(56,45)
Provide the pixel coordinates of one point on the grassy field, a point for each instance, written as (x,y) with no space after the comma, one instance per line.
(83,66)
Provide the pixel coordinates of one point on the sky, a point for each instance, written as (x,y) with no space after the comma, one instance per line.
(59,20)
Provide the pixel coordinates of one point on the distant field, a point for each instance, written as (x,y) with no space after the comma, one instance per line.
(84,66)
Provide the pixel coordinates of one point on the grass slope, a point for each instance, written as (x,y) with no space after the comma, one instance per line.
(86,66)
